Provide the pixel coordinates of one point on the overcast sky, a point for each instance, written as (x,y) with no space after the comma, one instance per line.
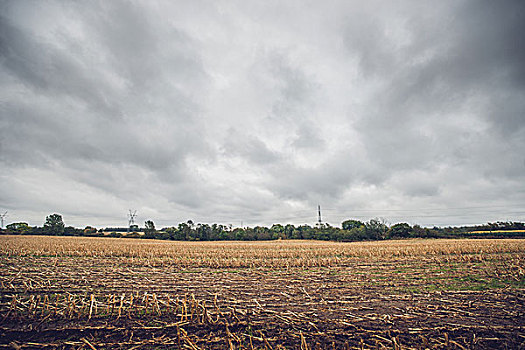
(258,111)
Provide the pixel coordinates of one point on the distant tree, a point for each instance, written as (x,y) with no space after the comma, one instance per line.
(36,230)
(203,232)
(355,234)
(350,224)
(167,233)
(401,230)
(418,231)
(18,228)
(72,231)
(184,232)
(149,229)
(277,231)
(322,231)
(89,230)
(249,234)
(289,231)
(262,233)
(218,232)
(376,229)
(54,225)
(238,234)
(115,234)
(132,235)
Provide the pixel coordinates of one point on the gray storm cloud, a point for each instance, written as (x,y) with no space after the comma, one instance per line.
(257,112)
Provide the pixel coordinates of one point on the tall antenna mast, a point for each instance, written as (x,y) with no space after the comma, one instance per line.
(319,221)
(2,218)
(131,218)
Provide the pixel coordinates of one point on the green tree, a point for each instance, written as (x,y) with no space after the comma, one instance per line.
(289,231)
(418,231)
(376,229)
(89,230)
(401,230)
(115,234)
(204,232)
(218,232)
(149,229)
(72,231)
(262,233)
(54,225)
(355,234)
(184,231)
(18,227)
(238,234)
(277,231)
(350,224)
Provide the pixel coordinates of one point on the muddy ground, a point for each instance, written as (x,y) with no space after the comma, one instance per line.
(73,302)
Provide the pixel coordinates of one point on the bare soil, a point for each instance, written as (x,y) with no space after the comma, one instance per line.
(410,302)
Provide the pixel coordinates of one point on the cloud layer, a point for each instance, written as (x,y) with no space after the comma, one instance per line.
(256,112)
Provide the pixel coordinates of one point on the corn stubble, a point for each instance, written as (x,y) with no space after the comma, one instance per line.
(98,293)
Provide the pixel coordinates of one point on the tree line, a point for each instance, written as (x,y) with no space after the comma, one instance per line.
(351,230)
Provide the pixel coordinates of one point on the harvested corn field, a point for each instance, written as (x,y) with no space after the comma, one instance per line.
(102,293)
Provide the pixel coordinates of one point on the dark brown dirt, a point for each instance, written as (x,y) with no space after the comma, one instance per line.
(45,302)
